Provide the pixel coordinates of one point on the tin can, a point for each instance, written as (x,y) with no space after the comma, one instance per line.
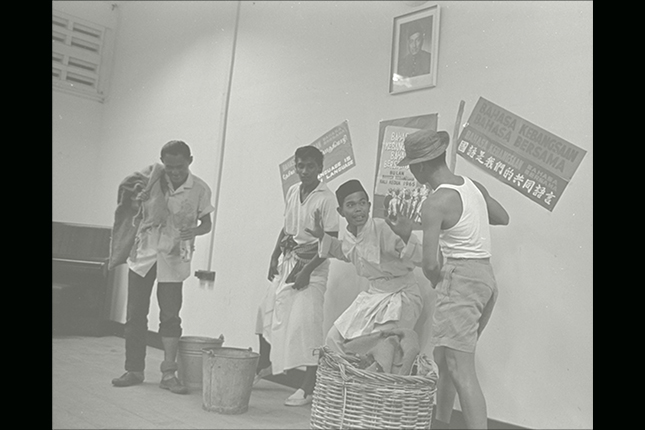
(186,250)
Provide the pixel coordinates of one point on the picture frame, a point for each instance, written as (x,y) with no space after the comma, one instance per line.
(415,51)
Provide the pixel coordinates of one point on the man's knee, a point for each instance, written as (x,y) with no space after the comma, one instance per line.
(170,300)
(439,355)
(136,322)
(334,340)
(460,366)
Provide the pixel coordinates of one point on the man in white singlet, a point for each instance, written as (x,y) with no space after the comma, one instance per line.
(455,220)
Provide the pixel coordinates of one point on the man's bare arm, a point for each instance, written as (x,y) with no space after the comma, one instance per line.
(432,216)
(497,215)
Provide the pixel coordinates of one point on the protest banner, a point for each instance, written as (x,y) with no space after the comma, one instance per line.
(336,146)
(395,189)
(520,154)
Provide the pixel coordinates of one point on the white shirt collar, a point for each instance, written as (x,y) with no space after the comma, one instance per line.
(366,243)
(186,185)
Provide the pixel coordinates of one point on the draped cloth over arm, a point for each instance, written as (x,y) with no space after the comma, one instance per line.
(128,214)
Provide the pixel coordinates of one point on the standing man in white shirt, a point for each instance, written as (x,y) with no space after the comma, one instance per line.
(455,220)
(174,210)
(290,317)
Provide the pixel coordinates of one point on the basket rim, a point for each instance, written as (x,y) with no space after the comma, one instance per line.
(344,364)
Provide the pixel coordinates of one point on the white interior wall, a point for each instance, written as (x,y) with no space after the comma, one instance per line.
(76,130)
(77,135)
(304,67)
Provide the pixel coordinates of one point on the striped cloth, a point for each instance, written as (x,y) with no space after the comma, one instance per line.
(303,254)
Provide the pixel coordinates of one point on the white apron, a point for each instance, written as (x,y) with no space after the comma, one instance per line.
(291,320)
(374,308)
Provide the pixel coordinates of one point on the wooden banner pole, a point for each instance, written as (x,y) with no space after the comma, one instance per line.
(455,136)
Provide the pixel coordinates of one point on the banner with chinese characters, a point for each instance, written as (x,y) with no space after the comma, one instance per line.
(517,152)
(336,146)
(395,189)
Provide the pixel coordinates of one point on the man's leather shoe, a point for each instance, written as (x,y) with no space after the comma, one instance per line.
(173,385)
(127,379)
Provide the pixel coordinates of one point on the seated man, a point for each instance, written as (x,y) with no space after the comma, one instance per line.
(387,259)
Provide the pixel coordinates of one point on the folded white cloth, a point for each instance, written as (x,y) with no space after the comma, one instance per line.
(394,350)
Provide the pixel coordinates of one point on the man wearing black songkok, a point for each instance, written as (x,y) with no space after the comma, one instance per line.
(393,299)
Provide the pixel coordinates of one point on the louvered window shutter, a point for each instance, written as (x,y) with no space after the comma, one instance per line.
(77,48)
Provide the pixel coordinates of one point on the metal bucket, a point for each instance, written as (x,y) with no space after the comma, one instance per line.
(189,358)
(228,379)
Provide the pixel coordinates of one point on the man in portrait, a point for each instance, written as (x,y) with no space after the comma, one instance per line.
(417,61)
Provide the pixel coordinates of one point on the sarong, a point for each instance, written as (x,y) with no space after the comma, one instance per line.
(292,320)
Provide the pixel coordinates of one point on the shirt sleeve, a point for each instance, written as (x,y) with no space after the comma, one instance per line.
(392,244)
(289,217)
(205,205)
(329,214)
(330,247)
(413,250)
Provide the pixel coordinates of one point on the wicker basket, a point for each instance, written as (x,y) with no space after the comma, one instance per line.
(346,396)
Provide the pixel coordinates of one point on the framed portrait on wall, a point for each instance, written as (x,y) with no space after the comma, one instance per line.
(415,50)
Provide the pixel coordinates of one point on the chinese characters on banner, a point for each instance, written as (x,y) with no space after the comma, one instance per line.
(522,155)
(336,146)
(395,189)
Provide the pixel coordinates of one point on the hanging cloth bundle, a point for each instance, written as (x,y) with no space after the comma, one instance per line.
(133,190)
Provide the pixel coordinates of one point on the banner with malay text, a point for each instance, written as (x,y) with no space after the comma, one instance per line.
(528,158)
(336,146)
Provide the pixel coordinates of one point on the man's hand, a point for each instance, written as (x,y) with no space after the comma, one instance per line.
(435,278)
(204,227)
(318,232)
(140,193)
(273,268)
(187,233)
(302,280)
(400,225)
